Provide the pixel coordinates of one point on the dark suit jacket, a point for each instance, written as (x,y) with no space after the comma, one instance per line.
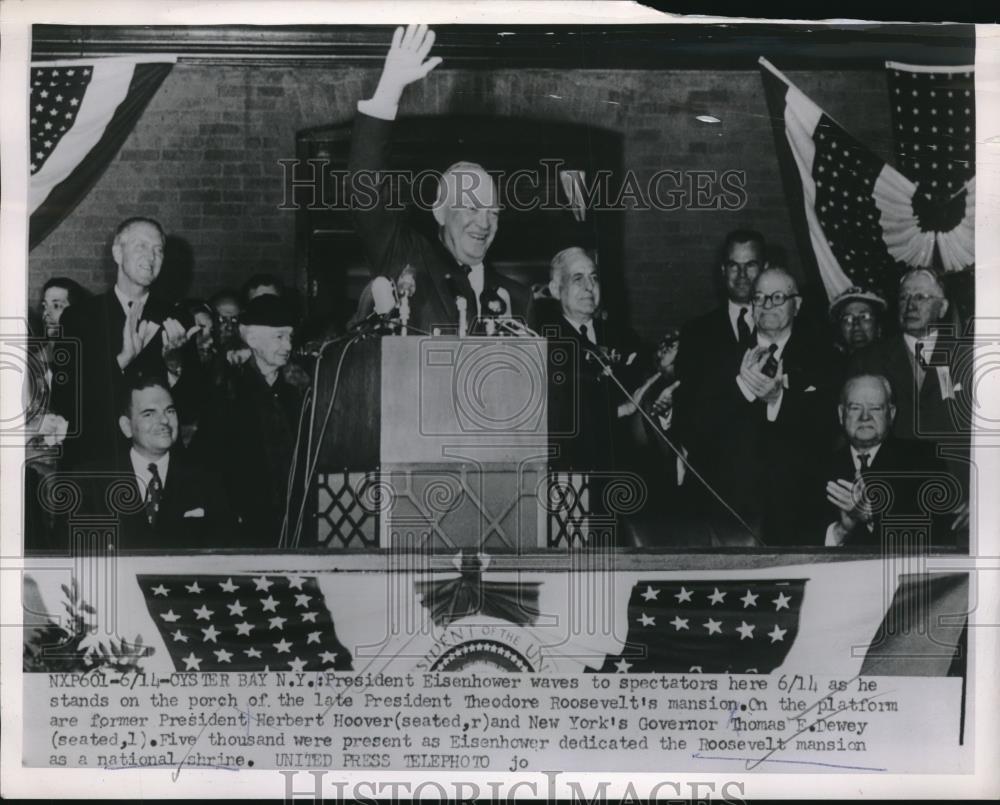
(708,356)
(391,243)
(194,510)
(923,413)
(899,481)
(763,468)
(247,434)
(583,418)
(88,400)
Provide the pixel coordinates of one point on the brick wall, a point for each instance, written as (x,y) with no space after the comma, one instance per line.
(204,160)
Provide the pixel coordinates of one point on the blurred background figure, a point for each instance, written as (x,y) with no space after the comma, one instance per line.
(226,305)
(260,284)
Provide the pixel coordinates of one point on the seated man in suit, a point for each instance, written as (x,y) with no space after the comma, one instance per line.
(922,364)
(451,271)
(768,422)
(126,331)
(856,512)
(167,502)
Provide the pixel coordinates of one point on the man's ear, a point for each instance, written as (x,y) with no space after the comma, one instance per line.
(554,287)
(116,252)
(840,415)
(125,426)
(943,310)
(798,305)
(438,211)
(892,414)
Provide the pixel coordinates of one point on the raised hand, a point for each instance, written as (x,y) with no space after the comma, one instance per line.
(175,336)
(760,385)
(406,61)
(665,399)
(135,336)
(849,498)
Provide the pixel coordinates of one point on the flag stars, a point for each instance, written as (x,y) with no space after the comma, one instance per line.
(328,657)
(650,594)
(622,666)
(295,582)
(179,636)
(244,628)
(228,586)
(679,623)
(750,599)
(309,616)
(781,602)
(713,626)
(159,589)
(282,646)
(683,596)
(236,609)
(192,663)
(297,665)
(269,604)
(252,652)
(776,634)
(210,634)
(746,630)
(313,637)
(716,597)
(169,616)
(193,588)
(277,622)
(302,600)
(263,583)
(646,620)
(203,613)
(222,655)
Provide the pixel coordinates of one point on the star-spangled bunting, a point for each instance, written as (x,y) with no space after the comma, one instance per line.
(80,113)
(55,98)
(733,627)
(861,219)
(244,623)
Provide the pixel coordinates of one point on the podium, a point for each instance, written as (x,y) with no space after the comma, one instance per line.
(442,444)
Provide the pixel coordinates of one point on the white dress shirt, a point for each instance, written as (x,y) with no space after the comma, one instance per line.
(734,315)
(140,466)
(831,540)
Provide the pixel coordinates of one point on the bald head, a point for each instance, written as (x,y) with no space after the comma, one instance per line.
(467,211)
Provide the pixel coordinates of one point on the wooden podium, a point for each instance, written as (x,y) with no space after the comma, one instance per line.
(438,443)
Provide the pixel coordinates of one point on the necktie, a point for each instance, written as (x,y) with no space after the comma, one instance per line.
(919,363)
(863,459)
(465,269)
(154,494)
(585,333)
(743,329)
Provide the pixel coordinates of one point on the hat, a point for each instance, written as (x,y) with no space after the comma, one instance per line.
(856,294)
(267,311)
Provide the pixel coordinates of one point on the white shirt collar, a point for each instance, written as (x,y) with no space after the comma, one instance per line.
(591,332)
(125,302)
(765,341)
(140,466)
(734,314)
(928,341)
(871,451)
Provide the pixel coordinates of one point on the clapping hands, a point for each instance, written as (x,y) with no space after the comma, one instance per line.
(759,384)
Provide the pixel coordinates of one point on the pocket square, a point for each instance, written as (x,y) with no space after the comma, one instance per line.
(810,388)
(199,512)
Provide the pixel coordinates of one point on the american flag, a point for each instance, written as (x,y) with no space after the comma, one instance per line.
(80,115)
(244,623)
(863,220)
(55,101)
(730,626)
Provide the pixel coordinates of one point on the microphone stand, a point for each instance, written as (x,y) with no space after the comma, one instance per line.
(607,370)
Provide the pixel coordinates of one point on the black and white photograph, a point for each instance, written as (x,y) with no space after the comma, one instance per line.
(492,405)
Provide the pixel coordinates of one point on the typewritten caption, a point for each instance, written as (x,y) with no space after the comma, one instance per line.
(497,723)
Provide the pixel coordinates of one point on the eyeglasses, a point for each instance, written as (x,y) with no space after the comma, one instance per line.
(849,319)
(745,268)
(919,298)
(776,299)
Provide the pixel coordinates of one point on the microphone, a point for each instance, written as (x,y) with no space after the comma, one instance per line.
(383,296)
(463,306)
(384,316)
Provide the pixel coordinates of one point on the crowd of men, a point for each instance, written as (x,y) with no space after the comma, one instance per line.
(748,426)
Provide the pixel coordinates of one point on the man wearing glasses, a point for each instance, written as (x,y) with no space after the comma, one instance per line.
(920,364)
(771,420)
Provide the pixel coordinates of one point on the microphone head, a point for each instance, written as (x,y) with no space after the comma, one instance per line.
(382,295)
(461,303)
